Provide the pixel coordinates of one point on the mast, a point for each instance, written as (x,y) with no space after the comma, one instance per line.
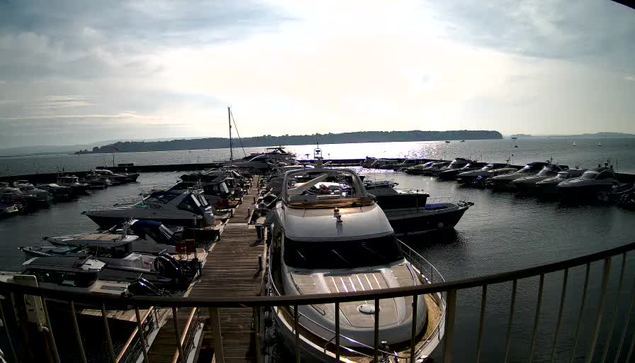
(229,118)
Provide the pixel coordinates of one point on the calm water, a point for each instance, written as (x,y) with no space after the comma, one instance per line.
(585,154)
(501,232)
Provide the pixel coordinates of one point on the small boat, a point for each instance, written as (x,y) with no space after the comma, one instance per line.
(330,238)
(505,181)
(514,137)
(8,210)
(447,141)
(36,195)
(418,169)
(462,140)
(452,174)
(215,192)
(118,178)
(410,213)
(78,274)
(549,186)
(574,144)
(528,183)
(471,176)
(96,181)
(599,144)
(122,263)
(591,183)
(72,182)
(187,209)
(457,163)
(57,192)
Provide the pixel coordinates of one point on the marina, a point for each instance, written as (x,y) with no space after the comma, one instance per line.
(237,261)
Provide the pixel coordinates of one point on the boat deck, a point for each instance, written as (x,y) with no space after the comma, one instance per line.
(231,270)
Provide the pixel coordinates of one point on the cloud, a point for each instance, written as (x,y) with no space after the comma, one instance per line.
(149,69)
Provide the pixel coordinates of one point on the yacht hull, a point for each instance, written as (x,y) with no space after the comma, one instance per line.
(415,221)
(106,222)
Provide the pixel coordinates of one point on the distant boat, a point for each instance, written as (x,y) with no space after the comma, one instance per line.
(514,138)
(599,144)
(447,141)
(462,140)
(574,144)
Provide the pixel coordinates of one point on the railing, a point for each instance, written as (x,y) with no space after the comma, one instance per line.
(612,337)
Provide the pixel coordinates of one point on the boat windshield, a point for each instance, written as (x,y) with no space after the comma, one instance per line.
(191,204)
(590,175)
(546,171)
(342,255)
(317,188)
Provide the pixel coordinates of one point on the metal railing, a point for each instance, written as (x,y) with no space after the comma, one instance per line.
(620,339)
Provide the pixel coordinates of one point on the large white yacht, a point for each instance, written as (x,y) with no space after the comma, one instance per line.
(188,209)
(589,184)
(329,236)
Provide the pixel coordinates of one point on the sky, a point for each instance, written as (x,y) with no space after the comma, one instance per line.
(79,71)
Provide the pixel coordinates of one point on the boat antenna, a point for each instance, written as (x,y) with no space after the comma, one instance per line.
(229,120)
(237,133)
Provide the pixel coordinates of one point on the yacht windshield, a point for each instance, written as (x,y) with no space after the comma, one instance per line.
(546,171)
(342,255)
(589,175)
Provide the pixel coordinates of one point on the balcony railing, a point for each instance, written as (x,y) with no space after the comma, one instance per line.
(617,344)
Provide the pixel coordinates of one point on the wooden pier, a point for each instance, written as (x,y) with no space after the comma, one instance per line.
(231,270)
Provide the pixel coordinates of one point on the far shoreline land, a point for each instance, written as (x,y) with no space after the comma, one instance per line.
(268,140)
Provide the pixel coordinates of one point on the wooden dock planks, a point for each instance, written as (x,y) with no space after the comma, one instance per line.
(231,270)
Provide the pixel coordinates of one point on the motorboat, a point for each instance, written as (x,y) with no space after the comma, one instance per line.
(122,263)
(528,183)
(410,212)
(8,210)
(118,178)
(262,162)
(417,169)
(72,182)
(549,186)
(57,192)
(504,181)
(329,236)
(215,192)
(36,195)
(457,163)
(591,183)
(471,176)
(451,174)
(188,209)
(434,168)
(407,163)
(96,180)
(78,274)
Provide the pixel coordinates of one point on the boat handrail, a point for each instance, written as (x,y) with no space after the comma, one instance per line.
(261,301)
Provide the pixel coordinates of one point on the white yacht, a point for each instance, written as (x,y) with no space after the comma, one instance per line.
(188,209)
(504,181)
(329,236)
(589,184)
(79,274)
(549,186)
(485,172)
(528,183)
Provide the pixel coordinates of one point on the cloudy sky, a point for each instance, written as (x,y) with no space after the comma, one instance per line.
(79,71)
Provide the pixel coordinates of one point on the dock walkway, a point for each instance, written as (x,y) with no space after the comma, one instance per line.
(231,270)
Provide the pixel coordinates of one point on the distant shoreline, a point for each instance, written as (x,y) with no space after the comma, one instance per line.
(268,140)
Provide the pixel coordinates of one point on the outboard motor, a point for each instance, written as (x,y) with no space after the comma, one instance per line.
(166,265)
(144,287)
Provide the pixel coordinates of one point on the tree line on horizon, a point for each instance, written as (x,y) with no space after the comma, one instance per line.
(269,140)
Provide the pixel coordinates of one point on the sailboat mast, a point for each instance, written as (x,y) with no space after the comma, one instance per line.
(229,118)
